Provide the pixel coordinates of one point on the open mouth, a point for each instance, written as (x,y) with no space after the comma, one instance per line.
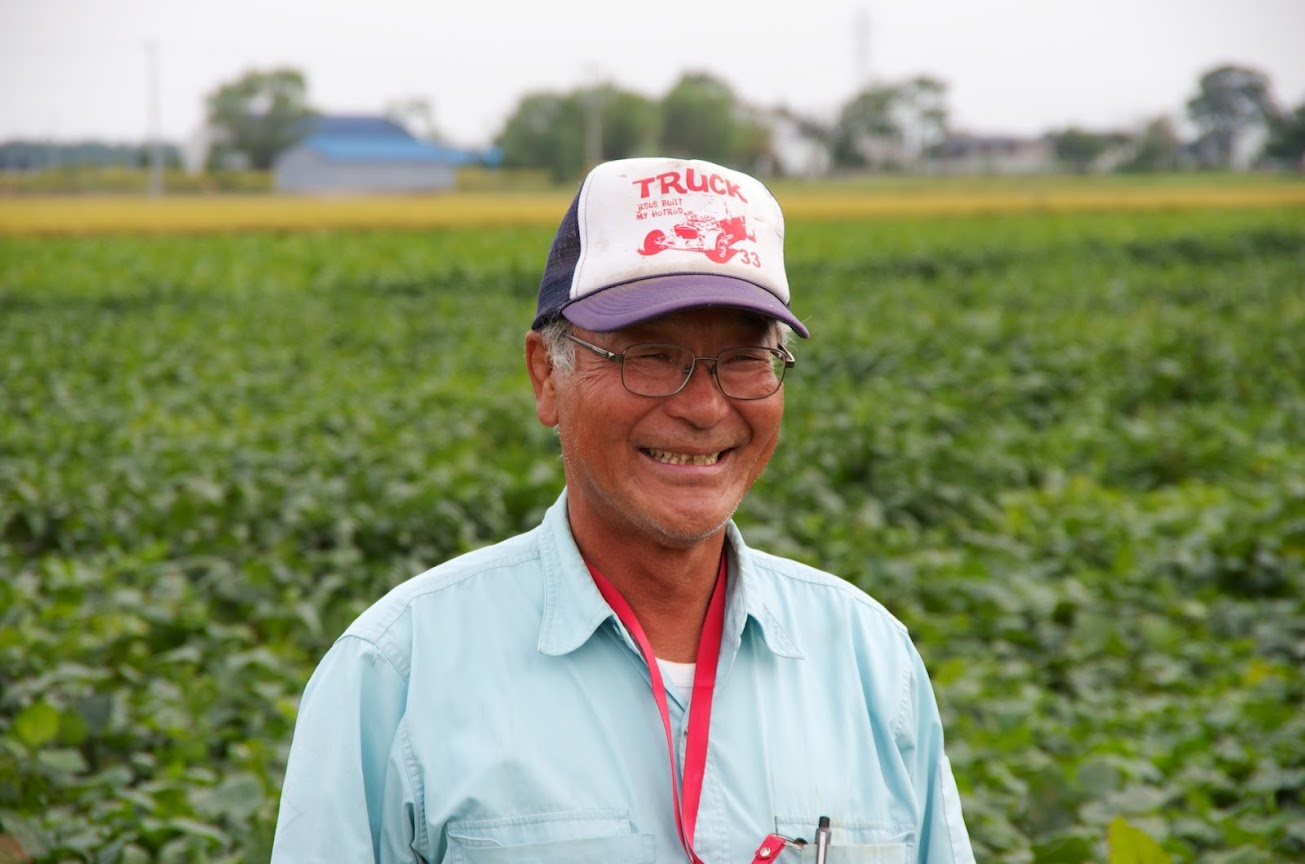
(668,457)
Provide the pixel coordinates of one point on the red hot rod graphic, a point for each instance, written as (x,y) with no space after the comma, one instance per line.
(713,237)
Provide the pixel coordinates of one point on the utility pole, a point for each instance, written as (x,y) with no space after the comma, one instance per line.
(152,98)
(861,48)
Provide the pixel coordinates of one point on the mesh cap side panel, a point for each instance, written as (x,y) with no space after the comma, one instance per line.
(555,286)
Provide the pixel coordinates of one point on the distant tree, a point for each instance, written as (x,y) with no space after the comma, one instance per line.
(1077,149)
(546,131)
(892,125)
(1159,148)
(563,132)
(1286,144)
(702,118)
(169,157)
(698,115)
(1230,99)
(257,116)
(629,123)
(922,110)
(867,127)
(47,155)
(751,141)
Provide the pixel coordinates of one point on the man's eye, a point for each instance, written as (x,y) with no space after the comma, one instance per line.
(656,357)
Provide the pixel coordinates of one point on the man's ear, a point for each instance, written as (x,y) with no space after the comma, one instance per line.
(540,368)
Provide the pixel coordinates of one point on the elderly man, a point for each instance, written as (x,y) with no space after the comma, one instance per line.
(629,681)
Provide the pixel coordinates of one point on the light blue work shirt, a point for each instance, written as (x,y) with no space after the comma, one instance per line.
(493,709)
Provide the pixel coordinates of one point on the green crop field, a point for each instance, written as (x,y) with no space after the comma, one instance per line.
(1067,449)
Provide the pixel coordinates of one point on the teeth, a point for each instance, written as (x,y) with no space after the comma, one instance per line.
(684,458)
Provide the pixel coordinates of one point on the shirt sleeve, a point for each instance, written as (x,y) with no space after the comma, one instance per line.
(942,833)
(347,794)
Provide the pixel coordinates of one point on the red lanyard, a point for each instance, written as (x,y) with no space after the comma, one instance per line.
(704,683)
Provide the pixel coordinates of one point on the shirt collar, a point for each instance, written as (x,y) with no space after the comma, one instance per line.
(574,610)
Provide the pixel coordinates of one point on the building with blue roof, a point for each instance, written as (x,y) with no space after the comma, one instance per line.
(345,154)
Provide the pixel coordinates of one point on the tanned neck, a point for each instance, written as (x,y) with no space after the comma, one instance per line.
(668,589)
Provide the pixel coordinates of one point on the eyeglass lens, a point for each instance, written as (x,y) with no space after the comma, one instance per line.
(742,373)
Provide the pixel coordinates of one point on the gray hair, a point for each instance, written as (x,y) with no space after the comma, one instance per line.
(784,332)
(561,351)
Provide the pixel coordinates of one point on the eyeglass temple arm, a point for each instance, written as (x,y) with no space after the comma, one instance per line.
(597,349)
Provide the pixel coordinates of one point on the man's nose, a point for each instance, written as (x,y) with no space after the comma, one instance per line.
(701,402)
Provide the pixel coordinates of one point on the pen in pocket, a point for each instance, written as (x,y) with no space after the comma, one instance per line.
(822,840)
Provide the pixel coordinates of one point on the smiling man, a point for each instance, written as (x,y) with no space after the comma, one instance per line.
(629,681)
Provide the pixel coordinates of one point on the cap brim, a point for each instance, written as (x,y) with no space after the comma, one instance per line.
(634,302)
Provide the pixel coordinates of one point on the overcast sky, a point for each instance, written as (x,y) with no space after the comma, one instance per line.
(79,68)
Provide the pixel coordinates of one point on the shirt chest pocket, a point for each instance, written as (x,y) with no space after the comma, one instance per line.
(590,837)
(851,842)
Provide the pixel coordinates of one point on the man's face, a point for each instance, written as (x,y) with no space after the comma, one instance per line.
(671,470)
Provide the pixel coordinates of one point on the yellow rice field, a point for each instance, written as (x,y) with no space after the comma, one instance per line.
(826,200)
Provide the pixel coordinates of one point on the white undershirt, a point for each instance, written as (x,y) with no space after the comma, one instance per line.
(678,676)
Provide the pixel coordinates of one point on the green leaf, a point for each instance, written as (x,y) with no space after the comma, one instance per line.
(1063,850)
(37,724)
(237,797)
(65,761)
(198,829)
(1128,845)
(134,854)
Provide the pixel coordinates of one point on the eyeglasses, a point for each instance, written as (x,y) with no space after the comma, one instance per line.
(659,370)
